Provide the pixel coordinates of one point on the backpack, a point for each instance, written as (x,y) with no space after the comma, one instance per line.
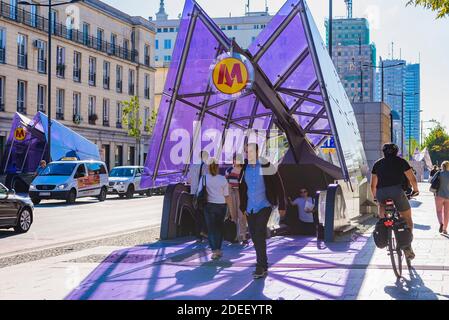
(380,234)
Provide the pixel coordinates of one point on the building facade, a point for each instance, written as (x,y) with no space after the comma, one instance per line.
(354,57)
(100,58)
(402,94)
(243,30)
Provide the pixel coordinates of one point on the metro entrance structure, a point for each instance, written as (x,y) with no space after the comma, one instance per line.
(294,89)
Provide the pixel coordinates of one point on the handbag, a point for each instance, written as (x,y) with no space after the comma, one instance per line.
(435,183)
(200,198)
(229,230)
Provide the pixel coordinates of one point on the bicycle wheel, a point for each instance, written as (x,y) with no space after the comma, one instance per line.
(395,253)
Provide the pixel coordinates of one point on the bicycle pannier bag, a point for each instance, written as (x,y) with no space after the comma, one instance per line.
(380,234)
(404,236)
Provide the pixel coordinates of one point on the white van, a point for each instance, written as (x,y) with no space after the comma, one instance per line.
(69,180)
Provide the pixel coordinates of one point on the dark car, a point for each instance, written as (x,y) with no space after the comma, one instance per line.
(15,211)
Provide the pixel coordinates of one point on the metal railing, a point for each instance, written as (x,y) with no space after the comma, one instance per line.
(105,123)
(25,17)
(60,70)
(77,75)
(59,115)
(119,86)
(92,79)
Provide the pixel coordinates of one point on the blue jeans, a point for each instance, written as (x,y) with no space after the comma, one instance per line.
(215,215)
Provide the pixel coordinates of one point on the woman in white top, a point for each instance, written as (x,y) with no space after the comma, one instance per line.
(217,189)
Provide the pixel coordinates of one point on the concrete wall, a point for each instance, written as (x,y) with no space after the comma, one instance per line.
(374,123)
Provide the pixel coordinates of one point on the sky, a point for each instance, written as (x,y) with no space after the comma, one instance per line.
(416,33)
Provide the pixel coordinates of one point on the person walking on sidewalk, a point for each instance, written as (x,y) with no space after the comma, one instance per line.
(218,201)
(387,182)
(233,175)
(442,198)
(260,190)
(197,171)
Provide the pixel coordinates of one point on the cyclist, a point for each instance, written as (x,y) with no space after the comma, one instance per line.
(387,181)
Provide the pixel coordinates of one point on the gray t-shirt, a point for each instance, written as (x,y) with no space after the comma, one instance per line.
(443,191)
(302,214)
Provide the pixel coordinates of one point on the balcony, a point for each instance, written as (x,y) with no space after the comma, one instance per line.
(77,119)
(119,125)
(106,82)
(59,115)
(22,61)
(60,70)
(42,66)
(77,75)
(21,109)
(93,119)
(92,79)
(40,23)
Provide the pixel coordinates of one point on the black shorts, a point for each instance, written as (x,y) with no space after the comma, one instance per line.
(396,194)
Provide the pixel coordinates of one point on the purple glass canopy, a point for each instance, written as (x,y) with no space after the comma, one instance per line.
(300,75)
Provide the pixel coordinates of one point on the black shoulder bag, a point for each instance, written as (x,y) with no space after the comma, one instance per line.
(435,183)
(200,198)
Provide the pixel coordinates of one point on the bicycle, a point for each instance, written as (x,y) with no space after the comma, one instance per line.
(396,253)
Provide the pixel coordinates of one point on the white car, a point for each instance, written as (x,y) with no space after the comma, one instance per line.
(125,181)
(69,180)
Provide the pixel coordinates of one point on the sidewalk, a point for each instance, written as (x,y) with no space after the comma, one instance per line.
(302,268)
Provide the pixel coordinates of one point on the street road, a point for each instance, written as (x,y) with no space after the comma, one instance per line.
(56,223)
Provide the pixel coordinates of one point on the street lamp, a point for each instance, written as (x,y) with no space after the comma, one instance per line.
(50,5)
(402,95)
(382,67)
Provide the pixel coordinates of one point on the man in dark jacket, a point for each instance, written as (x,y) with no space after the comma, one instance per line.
(260,190)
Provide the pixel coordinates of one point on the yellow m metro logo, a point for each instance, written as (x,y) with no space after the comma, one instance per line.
(230,76)
(20,134)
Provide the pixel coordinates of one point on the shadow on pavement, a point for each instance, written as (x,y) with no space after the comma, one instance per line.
(422,227)
(412,289)
(6,233)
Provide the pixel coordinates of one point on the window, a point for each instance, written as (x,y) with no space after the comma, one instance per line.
(54,21)
(106,74)
(60,96)
(13,9)
(80,171)
(21,96)
(146,53)
(2,45)
(22,51)
(119,115)
(86,34)
(229,27)
(119,77)
(167,44)
(165,29)
(77,66)
(106,112)
(60,62)
(100,37)
(167,58)
(235,27)
(41,56)
(91,110)
(33,15)
(93,169)
(41,90)
(172,29)
(159,30)
(147,86)
(156,58)
(92,71)
(77,107)
(157,44)
(131,87)
(125,48)
(2,93)
(113,43)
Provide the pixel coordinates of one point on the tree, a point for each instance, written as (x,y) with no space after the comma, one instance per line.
(131,120)
(441,6)
(437,142)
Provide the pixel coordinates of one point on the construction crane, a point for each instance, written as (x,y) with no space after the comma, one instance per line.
(349,8)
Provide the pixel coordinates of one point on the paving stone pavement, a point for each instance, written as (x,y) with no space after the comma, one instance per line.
(301,268)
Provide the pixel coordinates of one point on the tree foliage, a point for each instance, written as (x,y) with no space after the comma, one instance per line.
(437,142)
(131,117)
(440,6)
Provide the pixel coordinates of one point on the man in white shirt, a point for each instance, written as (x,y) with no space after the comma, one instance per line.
(304,222)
